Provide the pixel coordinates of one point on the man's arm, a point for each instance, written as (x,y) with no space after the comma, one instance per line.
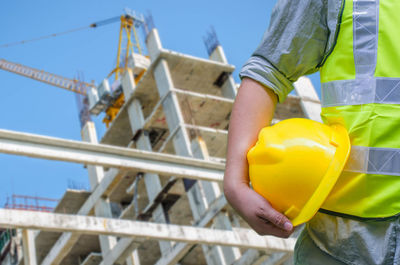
(253,109)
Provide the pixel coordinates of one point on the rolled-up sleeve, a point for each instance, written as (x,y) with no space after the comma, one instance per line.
(294,44)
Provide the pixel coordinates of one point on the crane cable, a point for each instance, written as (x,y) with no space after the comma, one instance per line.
(93,25)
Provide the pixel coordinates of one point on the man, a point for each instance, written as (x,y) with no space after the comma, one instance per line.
(354,45)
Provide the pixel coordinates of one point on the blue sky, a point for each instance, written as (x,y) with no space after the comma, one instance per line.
(30,106)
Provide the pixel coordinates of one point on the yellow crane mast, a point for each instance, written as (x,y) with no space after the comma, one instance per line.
(129,23)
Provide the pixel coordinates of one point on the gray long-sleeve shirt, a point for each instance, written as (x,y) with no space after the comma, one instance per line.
(301,34)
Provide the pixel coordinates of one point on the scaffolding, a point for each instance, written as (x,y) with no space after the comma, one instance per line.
(155,176)
(30,203)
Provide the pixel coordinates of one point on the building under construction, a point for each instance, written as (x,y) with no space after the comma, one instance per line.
(155,176)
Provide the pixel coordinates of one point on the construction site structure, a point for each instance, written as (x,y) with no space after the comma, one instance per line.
(155,176)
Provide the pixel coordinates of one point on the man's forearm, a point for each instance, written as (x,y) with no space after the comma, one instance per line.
(253,109)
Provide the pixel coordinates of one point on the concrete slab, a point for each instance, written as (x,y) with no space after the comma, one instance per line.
(149,252)
(70,203)
(118,192)
(83,248)
(180,212)
(195,74)
(44,241)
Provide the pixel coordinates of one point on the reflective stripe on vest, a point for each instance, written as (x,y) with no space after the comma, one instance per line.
(361,90)
(365,88)
(365,40)
(374,160)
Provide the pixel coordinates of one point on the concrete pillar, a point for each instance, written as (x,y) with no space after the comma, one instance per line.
(152,181)
(210,192)
(153,44)
(173,113)
(200,194)
(133,259)
(96,174)
(28,244)
(229,89)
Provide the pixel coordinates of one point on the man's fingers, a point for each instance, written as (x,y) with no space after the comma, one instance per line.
(275,217)
(276,231)
(263,228)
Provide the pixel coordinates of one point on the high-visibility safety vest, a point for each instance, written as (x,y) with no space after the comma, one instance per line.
(361,90)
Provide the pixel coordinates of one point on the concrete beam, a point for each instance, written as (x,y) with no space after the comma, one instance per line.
(95,154)
(245,238)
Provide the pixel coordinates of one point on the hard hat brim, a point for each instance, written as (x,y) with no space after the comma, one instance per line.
(341,140)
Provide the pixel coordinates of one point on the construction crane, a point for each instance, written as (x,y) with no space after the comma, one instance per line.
(100,98)
(129,23)
(111,100)
(74,85)
(55,80)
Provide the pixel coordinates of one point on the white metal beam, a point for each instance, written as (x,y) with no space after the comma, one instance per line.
(96,154)
(245,238)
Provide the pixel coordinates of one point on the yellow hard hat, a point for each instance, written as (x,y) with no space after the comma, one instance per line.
(295,164)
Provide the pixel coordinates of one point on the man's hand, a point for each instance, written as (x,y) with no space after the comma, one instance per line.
(258,213)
